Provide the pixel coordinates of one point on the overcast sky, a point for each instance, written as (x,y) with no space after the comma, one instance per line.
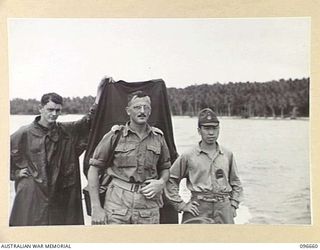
(70,56)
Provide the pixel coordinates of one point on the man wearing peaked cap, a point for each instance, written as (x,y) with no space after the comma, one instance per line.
(212,177)
(208,117)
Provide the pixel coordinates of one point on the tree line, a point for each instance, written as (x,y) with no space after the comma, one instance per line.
(283,98)
(75,105)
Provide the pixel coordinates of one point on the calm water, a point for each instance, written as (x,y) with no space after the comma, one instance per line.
(272,158)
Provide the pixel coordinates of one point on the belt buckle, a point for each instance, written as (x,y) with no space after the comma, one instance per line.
(220,198)
(136,188)
(212,199)
(208,199)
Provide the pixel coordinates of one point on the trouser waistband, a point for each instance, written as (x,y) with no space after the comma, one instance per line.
(132,187)
(211,197)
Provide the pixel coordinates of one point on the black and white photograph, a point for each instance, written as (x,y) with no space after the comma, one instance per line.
(159,121)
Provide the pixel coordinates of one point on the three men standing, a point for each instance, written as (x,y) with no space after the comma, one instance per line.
(44,165)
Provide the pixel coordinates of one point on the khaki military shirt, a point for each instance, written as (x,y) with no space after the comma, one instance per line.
(205,173)
(135,160)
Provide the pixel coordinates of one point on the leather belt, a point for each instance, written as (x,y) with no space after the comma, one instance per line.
(132,187)
(211,197)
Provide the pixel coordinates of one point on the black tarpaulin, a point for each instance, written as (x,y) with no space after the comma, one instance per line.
(111,111)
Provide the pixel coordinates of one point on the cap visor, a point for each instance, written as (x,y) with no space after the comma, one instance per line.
(210,124)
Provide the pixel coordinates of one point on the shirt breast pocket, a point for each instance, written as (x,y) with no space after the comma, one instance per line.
(36,145)
(152,157)
(221,180)
(125,155)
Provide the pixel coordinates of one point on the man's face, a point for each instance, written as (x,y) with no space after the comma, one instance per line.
(139,110)
(209,133)
(50,112)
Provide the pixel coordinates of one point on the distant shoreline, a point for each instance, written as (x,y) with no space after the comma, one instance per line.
(264,118)
(253,118)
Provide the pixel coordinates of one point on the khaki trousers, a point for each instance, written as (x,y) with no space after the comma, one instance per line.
(219,211)
(131,207)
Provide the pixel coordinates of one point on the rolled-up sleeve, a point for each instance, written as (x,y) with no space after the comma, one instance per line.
(102,151)
(164,158)
(177,172)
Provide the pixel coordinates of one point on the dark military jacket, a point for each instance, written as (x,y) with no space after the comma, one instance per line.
(51,195)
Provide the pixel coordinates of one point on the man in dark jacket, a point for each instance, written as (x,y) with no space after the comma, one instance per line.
(44,163)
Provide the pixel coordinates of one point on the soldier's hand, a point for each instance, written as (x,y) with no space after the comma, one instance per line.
(99,216)
(192,207)
(101,84)
(22,173)
(100,87)
(152,188)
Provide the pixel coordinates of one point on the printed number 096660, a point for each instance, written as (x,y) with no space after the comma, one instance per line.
(308,245)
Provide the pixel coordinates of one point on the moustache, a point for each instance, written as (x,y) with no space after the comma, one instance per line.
(142,115)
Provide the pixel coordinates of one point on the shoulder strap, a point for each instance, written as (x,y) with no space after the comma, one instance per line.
(114,146)
(103,177)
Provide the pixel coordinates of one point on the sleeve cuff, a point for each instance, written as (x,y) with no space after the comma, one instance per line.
(93,108)
(97,163)
(234,203)
(165,165)
(14,175)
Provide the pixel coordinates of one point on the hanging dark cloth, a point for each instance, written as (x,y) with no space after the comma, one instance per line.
(111,111)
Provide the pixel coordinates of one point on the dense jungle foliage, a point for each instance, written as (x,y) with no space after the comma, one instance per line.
(283,98)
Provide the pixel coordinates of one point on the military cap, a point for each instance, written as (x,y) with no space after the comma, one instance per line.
(207,117)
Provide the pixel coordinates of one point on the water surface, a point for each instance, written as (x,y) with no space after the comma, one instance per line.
(272,158)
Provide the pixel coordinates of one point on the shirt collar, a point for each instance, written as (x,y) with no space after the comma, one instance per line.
(52,133)
(127,129)
(199,149)
(45,129)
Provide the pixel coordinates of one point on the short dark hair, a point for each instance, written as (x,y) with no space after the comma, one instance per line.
(138,93)
(51,97)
